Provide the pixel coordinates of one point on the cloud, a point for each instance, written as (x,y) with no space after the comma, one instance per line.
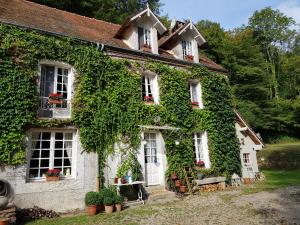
(291,8)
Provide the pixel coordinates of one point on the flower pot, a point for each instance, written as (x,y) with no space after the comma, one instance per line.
(109,208)
(182,189)
(91,210)
(4,221)
(116,180)
(3,202)
(52,179)
(173,176)
(118,207)
(55,102)
(177,183)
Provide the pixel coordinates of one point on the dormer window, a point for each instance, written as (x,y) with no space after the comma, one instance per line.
(195,94)
(144,36)
(187,50)
(150,88)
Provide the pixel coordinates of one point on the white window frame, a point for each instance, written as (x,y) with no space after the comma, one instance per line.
(51,154)
(246,159)
(198,93)
(187,48)
(153,79)
(146,36)
(56,109)
(204,155)
(155,148)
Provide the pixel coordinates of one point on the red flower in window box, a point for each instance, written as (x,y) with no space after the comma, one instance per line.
(200,163)
(195,103)
(148,99)
(55,98)
(189,57)
(146,48)
(52,175)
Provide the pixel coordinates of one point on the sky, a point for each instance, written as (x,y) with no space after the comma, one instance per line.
(229,13)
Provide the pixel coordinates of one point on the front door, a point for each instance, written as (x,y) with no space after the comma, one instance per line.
(151,160)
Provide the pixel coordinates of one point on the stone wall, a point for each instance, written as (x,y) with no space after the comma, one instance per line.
(60,196)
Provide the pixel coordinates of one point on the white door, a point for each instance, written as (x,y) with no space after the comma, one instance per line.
(151,160)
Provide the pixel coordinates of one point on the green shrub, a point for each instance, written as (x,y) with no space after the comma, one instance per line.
(118,199)
(91,198)
(107,192)
(284,139)
(108,201)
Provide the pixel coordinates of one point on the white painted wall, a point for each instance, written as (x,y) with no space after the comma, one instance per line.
(247,146)
(61,196)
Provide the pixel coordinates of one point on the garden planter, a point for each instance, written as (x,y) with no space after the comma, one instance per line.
(4,221)
(247,181)
(55,102)
(195,106)
(109,208)
(174,176)
(118,207)
(91,210)
(182,189)
(52,179)
(177,183)
(116,180)
(3,202)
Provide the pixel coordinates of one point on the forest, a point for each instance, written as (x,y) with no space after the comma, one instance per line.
(262,58)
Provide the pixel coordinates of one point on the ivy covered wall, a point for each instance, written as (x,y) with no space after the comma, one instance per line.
(107,106)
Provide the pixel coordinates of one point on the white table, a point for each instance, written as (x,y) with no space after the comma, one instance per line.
(140,193)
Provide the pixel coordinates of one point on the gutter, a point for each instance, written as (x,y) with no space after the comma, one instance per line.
(102,46)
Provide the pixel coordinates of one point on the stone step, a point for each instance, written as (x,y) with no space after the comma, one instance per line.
(155,189)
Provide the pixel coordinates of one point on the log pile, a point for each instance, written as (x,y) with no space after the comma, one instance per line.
(9,213)
(27,214)
(212,187)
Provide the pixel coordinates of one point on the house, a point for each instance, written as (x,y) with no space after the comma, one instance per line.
(250,144)
(54,141)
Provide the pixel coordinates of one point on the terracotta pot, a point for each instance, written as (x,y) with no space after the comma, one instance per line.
(116,180)
(52,178)
(177,183)
(109,208)
(173,176)
(91,210)
(4,221)
(247,181)
(182,189)
(118,207)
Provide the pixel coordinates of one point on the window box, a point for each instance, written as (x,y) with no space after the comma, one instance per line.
(189,58)
(49,179)
(149,100)
(195,104)
(146,48)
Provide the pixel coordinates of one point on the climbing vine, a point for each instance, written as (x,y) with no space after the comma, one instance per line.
(107,106)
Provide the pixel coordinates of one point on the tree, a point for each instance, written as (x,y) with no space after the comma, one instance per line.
(114,11)
(272,31)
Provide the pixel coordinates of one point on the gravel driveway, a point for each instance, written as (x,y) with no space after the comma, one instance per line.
(230,207)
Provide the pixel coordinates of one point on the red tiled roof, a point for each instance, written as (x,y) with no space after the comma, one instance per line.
(36,16)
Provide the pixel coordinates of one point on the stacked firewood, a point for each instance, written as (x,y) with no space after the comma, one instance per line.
(212,187)
(28,214)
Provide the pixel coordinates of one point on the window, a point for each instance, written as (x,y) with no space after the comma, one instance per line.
(187,49)
(246,158)
(50,150)
(199,146)
(195,93)
(55,93)
(150,148)
(144,36)
(150,88)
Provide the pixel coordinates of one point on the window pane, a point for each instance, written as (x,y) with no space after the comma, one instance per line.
(59,136)
(35,154)
(67,162)
(58,144)
(45,144)
(33,173)
(34,163)
(35,144)
(68,153)
(68,136)
(58,153)
(57,162)
(45,153)
(44,163)
(47,80)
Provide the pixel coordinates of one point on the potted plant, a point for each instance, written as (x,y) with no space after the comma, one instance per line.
(177,183)
(174,176)
(108,204)
(52,175)
(4,221)
(182,187)
(189,58)
(91,200)
(118,202)
(149,99)
(195,104)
